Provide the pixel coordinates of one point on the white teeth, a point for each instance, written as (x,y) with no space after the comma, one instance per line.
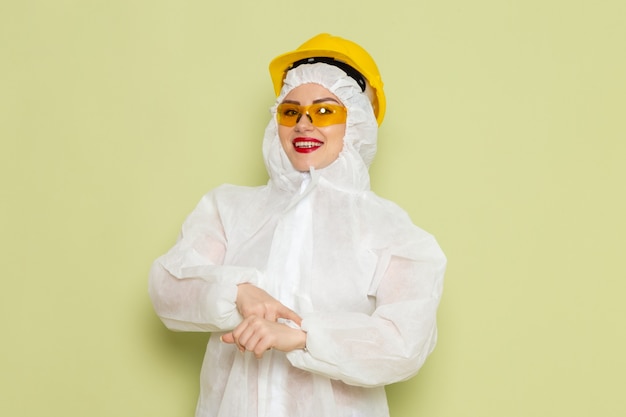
(306,144)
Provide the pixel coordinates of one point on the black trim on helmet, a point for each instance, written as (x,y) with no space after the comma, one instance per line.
(350,71)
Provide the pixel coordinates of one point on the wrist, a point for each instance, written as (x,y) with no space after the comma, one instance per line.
(303,337)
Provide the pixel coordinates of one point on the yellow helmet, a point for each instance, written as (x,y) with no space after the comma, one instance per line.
(343,53)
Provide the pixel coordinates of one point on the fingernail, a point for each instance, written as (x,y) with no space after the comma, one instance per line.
(221,339)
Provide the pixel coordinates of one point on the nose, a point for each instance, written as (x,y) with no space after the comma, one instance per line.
(304,122)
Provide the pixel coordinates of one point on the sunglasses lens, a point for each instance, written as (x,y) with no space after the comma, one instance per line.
(321,114)
(325,114)
(288,114)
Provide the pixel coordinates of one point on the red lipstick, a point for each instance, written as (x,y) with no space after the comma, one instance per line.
(306,145)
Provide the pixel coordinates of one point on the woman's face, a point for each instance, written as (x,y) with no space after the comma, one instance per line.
(305,144)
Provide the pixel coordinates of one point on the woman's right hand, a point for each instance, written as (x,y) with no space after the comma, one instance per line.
(253,301)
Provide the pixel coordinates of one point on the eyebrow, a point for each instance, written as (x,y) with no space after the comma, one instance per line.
(319,100)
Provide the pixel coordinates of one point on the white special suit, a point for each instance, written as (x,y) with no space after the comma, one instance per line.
(365,280)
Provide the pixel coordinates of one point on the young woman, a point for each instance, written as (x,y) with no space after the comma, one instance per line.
(317,291)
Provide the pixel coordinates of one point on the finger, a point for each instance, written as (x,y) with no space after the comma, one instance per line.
(228,338)
(259,351)
(289,314)
(251,337)
(258,336)
(261,346)
(241,333)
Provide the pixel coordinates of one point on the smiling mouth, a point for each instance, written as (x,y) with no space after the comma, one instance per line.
(306,145)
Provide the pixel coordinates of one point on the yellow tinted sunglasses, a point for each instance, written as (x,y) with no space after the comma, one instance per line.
(320,114)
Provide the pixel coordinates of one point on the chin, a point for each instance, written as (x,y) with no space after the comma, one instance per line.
(303,166)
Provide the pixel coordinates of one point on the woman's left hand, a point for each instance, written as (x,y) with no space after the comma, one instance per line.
(258,335)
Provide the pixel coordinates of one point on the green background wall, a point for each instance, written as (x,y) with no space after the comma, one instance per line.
(505,137)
